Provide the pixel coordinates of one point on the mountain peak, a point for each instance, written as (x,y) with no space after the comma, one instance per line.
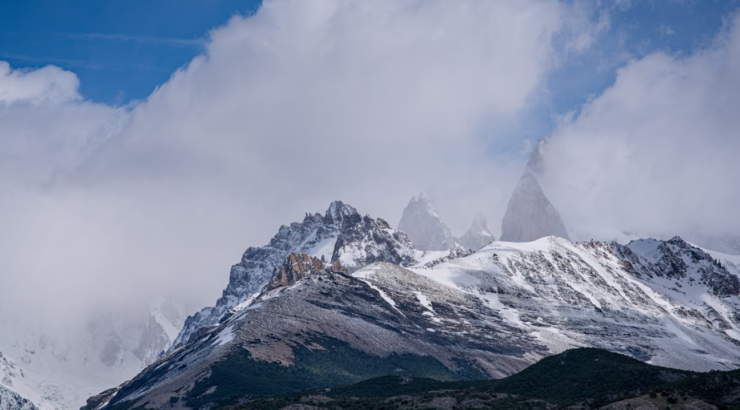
(423,225)
(338,210)
(478,235)
(529,214)
(536,163)
(341,238)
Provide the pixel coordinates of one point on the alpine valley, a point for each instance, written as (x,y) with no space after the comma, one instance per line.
(342,298)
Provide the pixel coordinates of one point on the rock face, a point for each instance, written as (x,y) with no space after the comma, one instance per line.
(483,314)
(421,222)
(340,235)
(676,260)
(297,267)
(478,235)
(530,215)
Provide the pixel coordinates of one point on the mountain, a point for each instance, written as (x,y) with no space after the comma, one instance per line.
(318,321)
(331,328)
(340,235)
(59,369)
(10,400)
(529,214)
(576,378)
(478,235)
(421,222)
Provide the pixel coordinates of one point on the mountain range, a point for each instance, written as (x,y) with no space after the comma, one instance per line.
(339,298)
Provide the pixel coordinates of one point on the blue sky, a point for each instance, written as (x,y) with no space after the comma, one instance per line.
(121,50)
(639,28)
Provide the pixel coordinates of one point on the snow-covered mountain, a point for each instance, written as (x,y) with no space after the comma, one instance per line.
(340,235)
(423,225)
(449,315)
(59,369)
(10,400)
(478,235)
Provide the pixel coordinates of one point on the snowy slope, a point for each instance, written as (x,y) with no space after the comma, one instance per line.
(10,400)
(340,235)
(663,302)
(58,369)
(493,311)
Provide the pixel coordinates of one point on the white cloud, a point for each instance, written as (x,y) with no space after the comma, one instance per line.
(48,84)
(658,151)
(298,105)
(45,126)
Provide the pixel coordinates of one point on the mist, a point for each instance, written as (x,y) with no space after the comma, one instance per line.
(112,207)
(657,152)
(288,109)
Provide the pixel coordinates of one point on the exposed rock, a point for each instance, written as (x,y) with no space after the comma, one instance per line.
(491,312)
(529,214)
(677,260)
(341,236)
(421,222)
(478,235)
(297,267)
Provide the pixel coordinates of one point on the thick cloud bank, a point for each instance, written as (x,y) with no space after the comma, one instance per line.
(658,151)
(288,109)
(364,101)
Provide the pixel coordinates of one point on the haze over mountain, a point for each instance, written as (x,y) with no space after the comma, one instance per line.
(478,235)
(110,207)
(529,214)
(351,300)
(421,222)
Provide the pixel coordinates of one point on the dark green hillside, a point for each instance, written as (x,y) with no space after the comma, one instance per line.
(239,376)
(580,374)
(576,379)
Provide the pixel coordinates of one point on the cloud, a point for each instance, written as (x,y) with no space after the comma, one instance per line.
(666,30)
(45,125)
(46,85)
(657,152)
(290,108)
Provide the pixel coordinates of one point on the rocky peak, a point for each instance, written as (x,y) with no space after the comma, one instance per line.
(341,236)
(364,240)
(529,214)
(337,212)
(295,268)
(478,235)
(422,224)
(679,261)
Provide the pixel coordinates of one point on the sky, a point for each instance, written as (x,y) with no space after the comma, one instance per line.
(145,145)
